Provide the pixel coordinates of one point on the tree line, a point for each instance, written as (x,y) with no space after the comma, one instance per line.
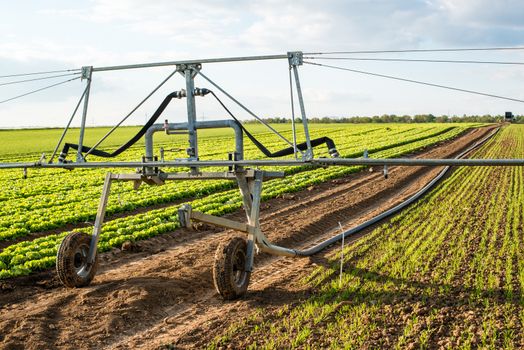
(392,118)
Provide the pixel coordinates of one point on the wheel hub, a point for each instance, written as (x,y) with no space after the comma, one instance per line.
(80,261)
(239,267)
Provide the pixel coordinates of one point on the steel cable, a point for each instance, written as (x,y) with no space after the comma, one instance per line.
(37,90)
(39,73)
(244,108)
(516,48)
(416,82)
(286,151)
(412,60)
(130,113)
(36,79)
(68,125)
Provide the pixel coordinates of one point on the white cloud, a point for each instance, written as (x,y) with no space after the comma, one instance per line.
(111,32)
(505,13)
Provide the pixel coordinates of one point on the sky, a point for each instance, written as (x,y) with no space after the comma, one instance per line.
(54,35)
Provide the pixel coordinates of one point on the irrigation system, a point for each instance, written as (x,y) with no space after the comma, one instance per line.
(77,256)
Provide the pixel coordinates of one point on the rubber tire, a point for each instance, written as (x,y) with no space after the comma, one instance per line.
(75,245)
(231,281)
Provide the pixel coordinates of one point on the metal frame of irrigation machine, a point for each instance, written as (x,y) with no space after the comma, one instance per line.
(77,254)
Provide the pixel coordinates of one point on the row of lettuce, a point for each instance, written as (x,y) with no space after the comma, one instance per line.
(32,255)
(50,201)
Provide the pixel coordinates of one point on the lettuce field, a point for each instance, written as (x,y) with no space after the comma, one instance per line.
(37,212)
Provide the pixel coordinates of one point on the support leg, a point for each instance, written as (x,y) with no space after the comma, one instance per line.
(86,74)
(253,220)
(76,259)
(100,214)
(245,192)
(309,152)
(234,259)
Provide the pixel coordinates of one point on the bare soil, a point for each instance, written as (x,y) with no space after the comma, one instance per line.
(161,293)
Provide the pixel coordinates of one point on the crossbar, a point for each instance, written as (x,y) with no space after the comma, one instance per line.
(191,62)
(312,162)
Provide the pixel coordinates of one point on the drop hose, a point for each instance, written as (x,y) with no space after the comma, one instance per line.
(354,230)
(132,141)
(198,92)
(332,150)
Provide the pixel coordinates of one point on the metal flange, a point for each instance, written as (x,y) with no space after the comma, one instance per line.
(295,58)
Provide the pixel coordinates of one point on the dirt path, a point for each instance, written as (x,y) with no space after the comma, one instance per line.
(163,293)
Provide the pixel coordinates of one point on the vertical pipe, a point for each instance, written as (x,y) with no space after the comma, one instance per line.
(148,139)
(309,152)
(191,114)
(239,140)
(254,220)
(87,73)
(293,129)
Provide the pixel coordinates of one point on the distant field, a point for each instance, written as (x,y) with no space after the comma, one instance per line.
(44,140)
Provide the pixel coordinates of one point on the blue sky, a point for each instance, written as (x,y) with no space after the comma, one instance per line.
(47,35)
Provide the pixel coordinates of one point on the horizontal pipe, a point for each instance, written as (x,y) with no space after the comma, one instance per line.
(422,162)
(206,60)
(209,124)
(313,162)
(272,249)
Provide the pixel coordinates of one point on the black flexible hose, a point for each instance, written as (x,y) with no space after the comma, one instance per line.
(317,248)
(129,143)
(199,92)
(286,151)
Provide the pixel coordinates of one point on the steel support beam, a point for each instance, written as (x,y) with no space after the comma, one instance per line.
(321,162)
(100,215)
(87,73)
(218,221)
(225,175)
(192,151)
(189,62)
(253,219)
(295,59)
